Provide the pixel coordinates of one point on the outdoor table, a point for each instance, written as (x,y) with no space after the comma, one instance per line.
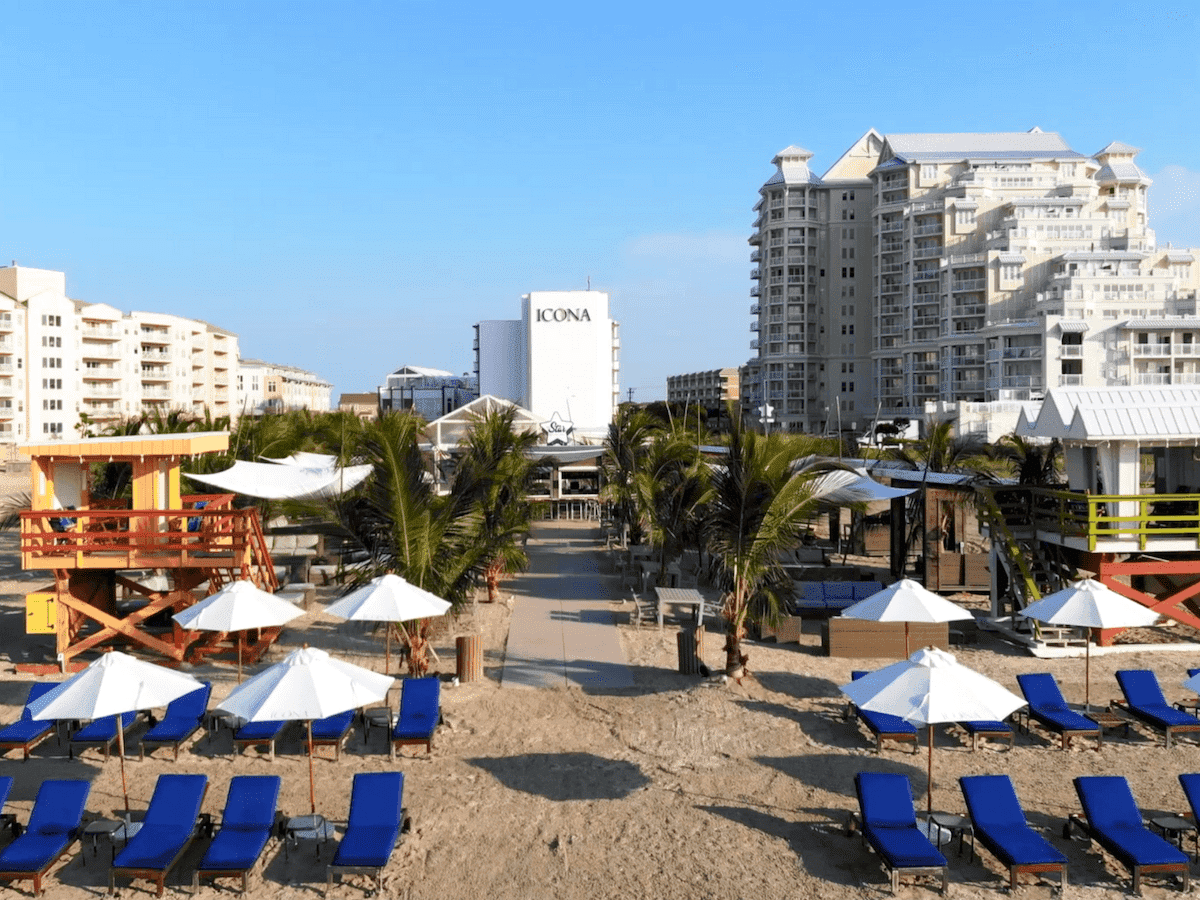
(1108,720)
(1173,828)
(680,597)
(112,829)
(957,826)
(310,828)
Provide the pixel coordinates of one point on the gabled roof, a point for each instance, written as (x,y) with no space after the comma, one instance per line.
(952,147)
(1118,148)
(1136,413)
(1121,172)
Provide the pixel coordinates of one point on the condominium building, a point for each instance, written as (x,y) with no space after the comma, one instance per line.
(712,389)
(960,268)
(431,393)
(67,366)
(264,387)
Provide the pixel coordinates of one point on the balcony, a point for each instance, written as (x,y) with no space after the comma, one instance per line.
(754,291)
(967,310)
(755,309)
(891,227)
(1151,349)
(755,274)
(934,228)
(927,253)
(1070,380)
(969,284)
(926,276)
(100,389)
(1028,382)
(1152,378)
(1070,351)
(754,344)
(101,332)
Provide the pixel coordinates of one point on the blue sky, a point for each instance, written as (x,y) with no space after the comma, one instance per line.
(351,186)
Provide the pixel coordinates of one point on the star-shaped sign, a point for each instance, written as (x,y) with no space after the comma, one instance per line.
(558,430)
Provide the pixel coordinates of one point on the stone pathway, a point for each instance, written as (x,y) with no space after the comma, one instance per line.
(562,632)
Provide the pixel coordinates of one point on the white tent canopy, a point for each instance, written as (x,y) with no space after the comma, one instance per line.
(290,481)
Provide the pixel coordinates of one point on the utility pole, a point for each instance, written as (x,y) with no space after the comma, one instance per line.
(631,395)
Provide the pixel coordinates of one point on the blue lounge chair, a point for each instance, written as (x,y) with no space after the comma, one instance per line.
(166,832)
(1000,825)
(420,713)
(8,820)
(373,827)
(27,733)
(1113,819)
(984,728)
(183,718)
(332,731)
(54,825)
(884,726)
(889,825)
(1048,708)
(1144,701)
(1191,790)
(100,733)
(254,734)
(246,826)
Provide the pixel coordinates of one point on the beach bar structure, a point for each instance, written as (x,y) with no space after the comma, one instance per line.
(1131,509)
(162,549)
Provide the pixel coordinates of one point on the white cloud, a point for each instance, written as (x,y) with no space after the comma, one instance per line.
(714,246)
(1175,206)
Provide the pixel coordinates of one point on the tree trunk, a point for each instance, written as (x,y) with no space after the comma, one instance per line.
(735,630)
(492,577)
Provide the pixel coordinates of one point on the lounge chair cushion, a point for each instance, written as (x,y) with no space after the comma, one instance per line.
(882,723)
(28,728)
(332,728)
(373,825)
(419,711)
(1046,704)
(1116,823)
(889,821)
(246,824)
(260,731)
(986,727)
(103,729)
(1146,701)
(169,823)
(1000,825)
(53,824)
(183,716)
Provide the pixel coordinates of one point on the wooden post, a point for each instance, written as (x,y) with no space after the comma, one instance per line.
(469,650)
(690,642)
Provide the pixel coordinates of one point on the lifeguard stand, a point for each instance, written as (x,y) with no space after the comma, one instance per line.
(1131,513)
(94,547)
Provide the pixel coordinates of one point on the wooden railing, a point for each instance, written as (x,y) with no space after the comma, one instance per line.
(1124,517)
(213,538)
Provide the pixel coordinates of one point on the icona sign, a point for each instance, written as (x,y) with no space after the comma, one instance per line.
(562,314)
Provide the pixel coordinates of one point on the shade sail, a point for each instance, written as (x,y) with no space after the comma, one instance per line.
(270,481)
(845,486)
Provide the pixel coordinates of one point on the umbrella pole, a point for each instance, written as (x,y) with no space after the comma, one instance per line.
(312,790)
(387,652)
(121,753)
(907,648)
(240,635)
(1087,671)
(929,772)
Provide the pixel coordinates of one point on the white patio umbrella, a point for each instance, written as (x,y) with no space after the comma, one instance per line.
(388,598)
(306,684)
(928,688)
(1089,604)
(906,601)
(112,685)
(239,606)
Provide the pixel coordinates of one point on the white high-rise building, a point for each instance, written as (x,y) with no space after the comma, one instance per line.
(560,360)
(67,366)
(951,269)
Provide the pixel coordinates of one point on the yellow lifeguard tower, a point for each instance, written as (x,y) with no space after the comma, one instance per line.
(94,547)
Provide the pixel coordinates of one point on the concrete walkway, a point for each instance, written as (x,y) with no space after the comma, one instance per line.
(562,632)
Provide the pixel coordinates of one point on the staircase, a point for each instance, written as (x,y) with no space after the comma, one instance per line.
(1034,569)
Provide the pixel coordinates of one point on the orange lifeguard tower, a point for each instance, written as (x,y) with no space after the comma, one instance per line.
(94,547)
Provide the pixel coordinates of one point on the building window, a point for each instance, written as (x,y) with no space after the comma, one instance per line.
(929,172)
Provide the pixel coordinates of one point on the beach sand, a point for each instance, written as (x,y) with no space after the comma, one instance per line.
(679,788)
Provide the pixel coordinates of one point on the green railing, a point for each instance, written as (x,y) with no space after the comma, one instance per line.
(1123,517)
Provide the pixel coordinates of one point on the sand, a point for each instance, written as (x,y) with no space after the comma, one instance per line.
(679,788)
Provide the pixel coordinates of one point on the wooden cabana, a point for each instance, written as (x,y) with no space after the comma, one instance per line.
(160,547)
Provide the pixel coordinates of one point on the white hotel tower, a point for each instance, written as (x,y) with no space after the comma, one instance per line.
(560,360)
(957,269)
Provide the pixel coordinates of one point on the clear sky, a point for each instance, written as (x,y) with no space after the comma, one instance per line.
(350,186)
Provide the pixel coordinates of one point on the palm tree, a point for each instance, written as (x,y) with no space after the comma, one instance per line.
(761,501)
(494,475)
(944,451)
(1036,465)
(628,434)
(671,489)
